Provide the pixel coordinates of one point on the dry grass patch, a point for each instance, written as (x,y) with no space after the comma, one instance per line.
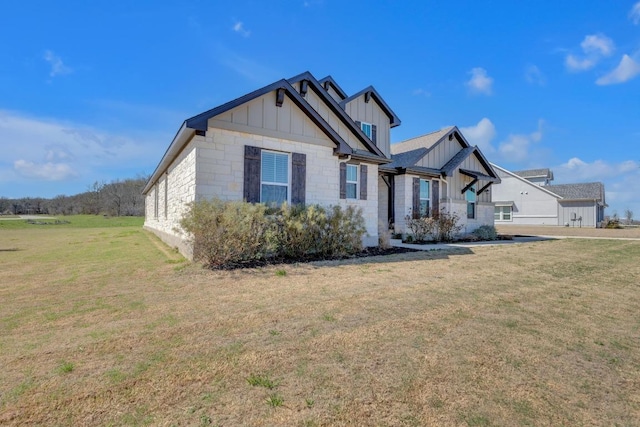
(101,327)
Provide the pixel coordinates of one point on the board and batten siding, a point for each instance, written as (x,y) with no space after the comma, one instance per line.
(586,209)
(532,205)
(262,116)
(332,119)
(371,112)
(440,154)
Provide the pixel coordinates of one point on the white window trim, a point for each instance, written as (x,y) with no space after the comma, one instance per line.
(288,184)
(428,199)
(362,125)
(501,213)
(356,182)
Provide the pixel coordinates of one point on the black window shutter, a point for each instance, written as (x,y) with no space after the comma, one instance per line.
(435,196)
(363,182)
(359,123)
(374,134)
(252,174)
(343,180)
(416,198)
(298,178)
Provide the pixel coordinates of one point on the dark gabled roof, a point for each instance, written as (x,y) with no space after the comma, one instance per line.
(584,191)
(407,159)
(369,157)
(328,81)
(371,91)
(478,175)
(462,155)
(421,170)
(535,173)
(337,110)
(199,122)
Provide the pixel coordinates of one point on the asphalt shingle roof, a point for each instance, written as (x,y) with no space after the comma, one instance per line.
(588,190)
(408,158)
(532,173)
(424,141)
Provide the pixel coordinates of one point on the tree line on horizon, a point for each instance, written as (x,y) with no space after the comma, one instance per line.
(116,198)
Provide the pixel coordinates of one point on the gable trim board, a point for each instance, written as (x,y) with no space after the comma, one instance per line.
(371,93)
(338,110)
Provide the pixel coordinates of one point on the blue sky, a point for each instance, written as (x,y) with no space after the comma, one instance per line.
(95,90)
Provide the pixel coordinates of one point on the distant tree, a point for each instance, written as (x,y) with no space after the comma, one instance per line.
(628,214)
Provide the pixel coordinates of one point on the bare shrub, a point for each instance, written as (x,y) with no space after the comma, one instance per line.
(384,236)
(422,227)
(447,225)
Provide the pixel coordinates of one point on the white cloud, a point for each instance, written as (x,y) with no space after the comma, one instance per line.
(533,75)
(516,148)
(238,27)
(53,150)
(594,47)
(480,82)
(599,44)
(421,92)
(44,171)
(576,64)
(621,180)
(634,14)
(481,135)
(626,70)
(577,170)
(57,66)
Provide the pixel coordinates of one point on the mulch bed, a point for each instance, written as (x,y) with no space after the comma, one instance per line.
(367,252)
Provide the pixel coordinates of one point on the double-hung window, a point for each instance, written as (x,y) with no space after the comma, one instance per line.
(471,201)
(366,129)
(425,200)
(274,186)
(352,181)
(502,213)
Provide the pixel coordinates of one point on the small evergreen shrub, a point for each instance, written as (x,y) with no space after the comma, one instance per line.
(228,233)
(485,232)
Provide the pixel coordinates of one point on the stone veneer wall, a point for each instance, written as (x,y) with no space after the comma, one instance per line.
(213,166)
(404,206)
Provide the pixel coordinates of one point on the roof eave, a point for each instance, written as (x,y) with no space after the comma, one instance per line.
(181,138)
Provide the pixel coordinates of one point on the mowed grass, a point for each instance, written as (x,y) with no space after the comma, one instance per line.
(106,326)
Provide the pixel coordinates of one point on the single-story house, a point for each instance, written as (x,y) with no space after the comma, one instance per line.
(436,171)
(305,141)
(528,198)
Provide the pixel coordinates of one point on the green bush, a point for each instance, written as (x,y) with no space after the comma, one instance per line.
(227,233)
(485,232)
(223,233)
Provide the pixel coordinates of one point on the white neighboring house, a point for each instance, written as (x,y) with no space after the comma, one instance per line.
(527,198)
(304,141)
